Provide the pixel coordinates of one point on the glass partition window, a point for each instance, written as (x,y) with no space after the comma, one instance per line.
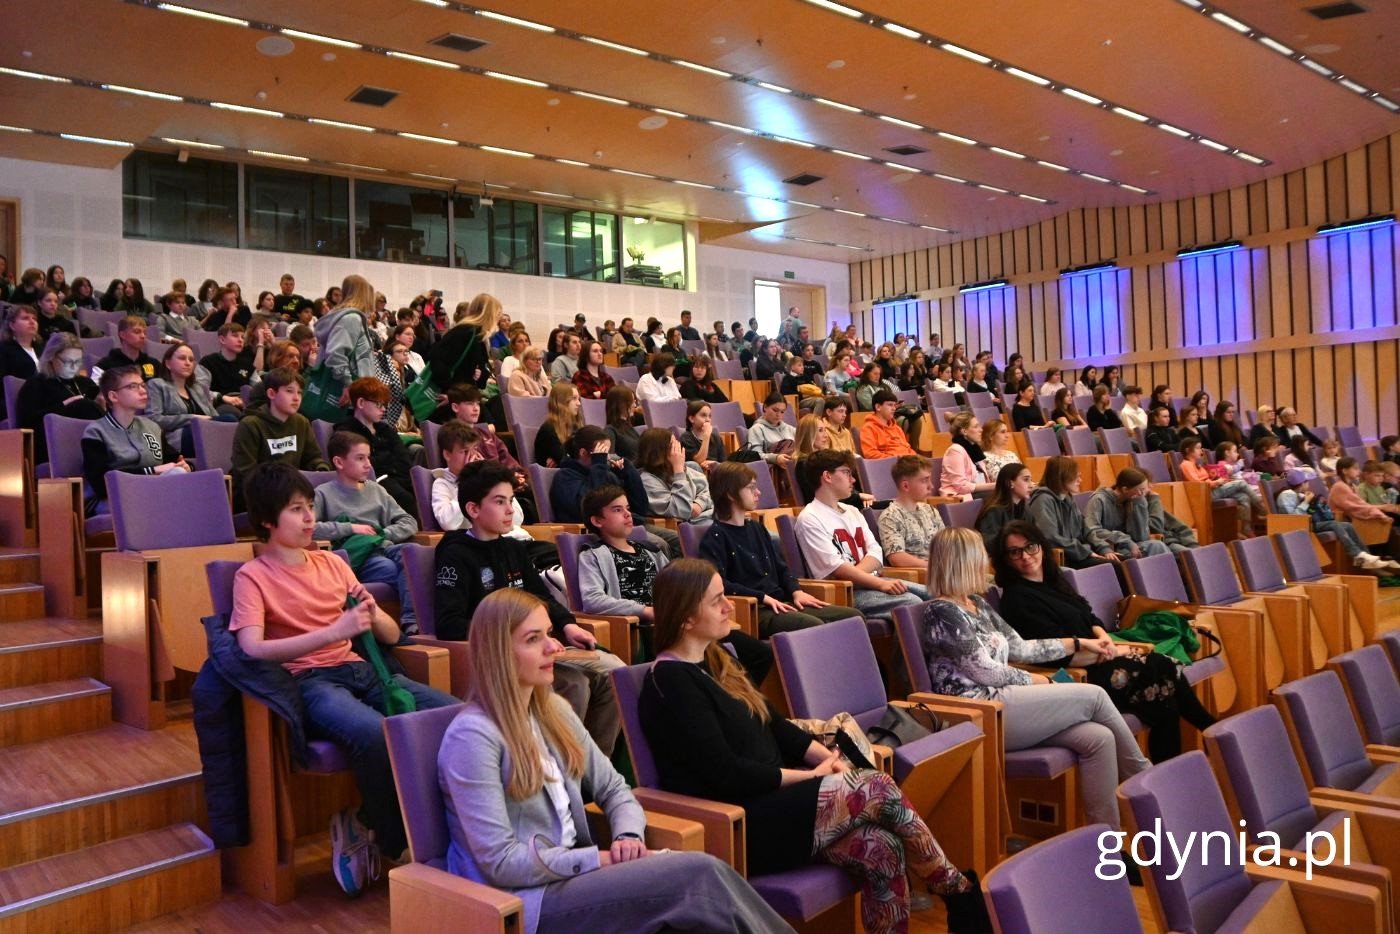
(297,212)
(400,224)
(187,202)
(655,253)
(580,244)
(499,236)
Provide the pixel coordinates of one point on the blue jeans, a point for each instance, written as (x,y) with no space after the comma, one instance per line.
(876,604)
(343,705)
(385,566)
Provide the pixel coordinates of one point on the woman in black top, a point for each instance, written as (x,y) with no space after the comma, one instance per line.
(1101,414)
(1039,604)
(1007,503)
(462,355)
(621,409)
(1162,395)
(1026,411)
(701,384)
(713,735)
(767,362)
(58,389)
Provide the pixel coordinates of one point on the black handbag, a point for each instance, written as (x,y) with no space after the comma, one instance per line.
(903,724)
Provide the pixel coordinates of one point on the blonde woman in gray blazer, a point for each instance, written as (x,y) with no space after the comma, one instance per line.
(515,767)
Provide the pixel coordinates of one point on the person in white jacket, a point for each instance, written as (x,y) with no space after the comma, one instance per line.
(659,385)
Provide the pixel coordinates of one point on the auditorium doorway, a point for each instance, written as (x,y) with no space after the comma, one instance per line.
(771,301)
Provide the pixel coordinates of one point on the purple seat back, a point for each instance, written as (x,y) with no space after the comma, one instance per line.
(729,369)
(1259,564)
(432,454)
(943,418)
(806,659)
(542,483)
(792,554)
(524,435)
(1358,451)
(624,374)
(1371,682)
(1019,889)
(1098,584)
(1391,641)
(665,414)
(1157,576)
(317,477)
(95,348)
(1257,758)
(1350,436)
(1332,745)
(1182,794)
(595,412)
(791,470)
(220,575)
(1299,557)
(907,623)
(627,681)
(65,441)
(1212,574)
(1154,464)
(527,410)
(1081,500)
(571,545)
(692,533)
(875,477)
(173,510)
(767,492)
(942,400)
(213,443)
(420,568)
(1079,441)
(1116,440)
(1041,442)
(422,479)
(13,384)
(961,515)
(727,416)
(1322,434)
(414,740)
(323,430)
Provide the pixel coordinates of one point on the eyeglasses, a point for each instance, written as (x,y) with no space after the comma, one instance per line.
(1030,550)
(139,385)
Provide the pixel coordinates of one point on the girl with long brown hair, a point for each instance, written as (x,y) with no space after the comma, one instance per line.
(513,766)
(564,418)
(714,736)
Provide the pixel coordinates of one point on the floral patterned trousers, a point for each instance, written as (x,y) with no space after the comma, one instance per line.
(866,826)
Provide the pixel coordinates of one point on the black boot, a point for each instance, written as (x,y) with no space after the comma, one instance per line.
(967,911)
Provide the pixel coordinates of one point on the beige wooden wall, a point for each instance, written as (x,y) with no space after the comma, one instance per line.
(1294,318)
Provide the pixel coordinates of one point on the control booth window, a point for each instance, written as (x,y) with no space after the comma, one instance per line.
(497,234)
(580,244)
(655,253)
(195,201)
(400,224)
(297,212)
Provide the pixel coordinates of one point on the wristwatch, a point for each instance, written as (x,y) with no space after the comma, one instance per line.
(1076,643)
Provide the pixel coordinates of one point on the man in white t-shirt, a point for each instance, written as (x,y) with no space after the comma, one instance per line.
(837,544)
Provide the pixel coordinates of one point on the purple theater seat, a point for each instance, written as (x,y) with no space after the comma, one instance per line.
(419,568)
(1253,751)
(767,492)
(1154,464)
(1116,441)
(800,894)
(64,437)
(961,515)
(541,483)
(526,410)
(323,430)
(432,454)
(875,477)
(322,756)
(213,443)
(1259,564)
(1299,557)
(524,434)
(13,384)
(595,412)
(1333,750)
(692,533)
(1041,442)
(729,369)
(1212,574)
(629,375)
(1391,641)
(318,477)
(1375,693)
(1350,436)
(142,507)
(1208,894)
(791,471)
(572,545)
(665,414)
(729,416)
(1079,442)
(1020,889)
(422,479)
(414,740)
(1158,577)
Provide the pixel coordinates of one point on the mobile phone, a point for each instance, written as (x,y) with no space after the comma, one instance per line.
(1061,676)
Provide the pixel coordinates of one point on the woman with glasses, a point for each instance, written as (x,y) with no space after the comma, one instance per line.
(59,388)
(1039,603)
(123,439)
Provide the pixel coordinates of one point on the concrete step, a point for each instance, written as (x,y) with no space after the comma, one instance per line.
(112,885)
(36,712)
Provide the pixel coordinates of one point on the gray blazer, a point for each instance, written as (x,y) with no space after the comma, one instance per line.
(508,844)
(598,584)
(166,409)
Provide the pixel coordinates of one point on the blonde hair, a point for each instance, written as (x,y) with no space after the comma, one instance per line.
(481,313)
(957,563)
(560,418)
(356,292)
(495,687)
(676,597)
(808,429)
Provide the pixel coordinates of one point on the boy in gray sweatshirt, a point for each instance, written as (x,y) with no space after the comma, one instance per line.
(353,504)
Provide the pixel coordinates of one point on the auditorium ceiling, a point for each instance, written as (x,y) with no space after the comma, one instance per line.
(913,123)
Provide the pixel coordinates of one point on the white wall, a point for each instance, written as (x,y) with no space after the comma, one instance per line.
(72,216)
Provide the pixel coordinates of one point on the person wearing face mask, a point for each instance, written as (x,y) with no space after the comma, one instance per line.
(59,388)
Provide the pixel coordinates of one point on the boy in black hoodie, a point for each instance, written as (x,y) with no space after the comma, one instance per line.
(476,561)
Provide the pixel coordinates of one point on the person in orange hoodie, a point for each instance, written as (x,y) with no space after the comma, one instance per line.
(881,435)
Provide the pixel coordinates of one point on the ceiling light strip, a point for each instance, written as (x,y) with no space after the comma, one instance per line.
(1346,82)
(419,137)
(934,42)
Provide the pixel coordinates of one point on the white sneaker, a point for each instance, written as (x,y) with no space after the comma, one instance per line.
(354,857)
(1369,562)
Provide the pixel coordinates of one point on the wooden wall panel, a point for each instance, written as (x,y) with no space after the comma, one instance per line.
(1294,318)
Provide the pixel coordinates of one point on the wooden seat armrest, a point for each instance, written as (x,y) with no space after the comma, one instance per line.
(1378,754)
(427,901)
(549,531)
(426,664)
(664,831)
(666,522)
(837,593)
(1324,903)
(1076,673)
(745,614)
(613,633)
(427,538)
(941,702)
(458,662)
(1352,800)
(944,500)
(724,823)
(911,575)
(884,758)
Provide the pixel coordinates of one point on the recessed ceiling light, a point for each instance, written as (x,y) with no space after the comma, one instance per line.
(852,155)
(718,40)
(514,20)
(695,66)
(502,76)
(604,98)
(1026,75)
(953,137)
(275,46)
(836,8)
(317,37)
(202,14)
(420,59)
(1115,152)
(140,93)
(427,139)
(837,104)
(239,108)
(904,31)
(340,124)
(617,46)
(775,87)
(652,123)
(835,63)
(910,96)
(898,122)
(575,162)
(552,102)
(20,73)
(509,152)
(101,141)
(327,56)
